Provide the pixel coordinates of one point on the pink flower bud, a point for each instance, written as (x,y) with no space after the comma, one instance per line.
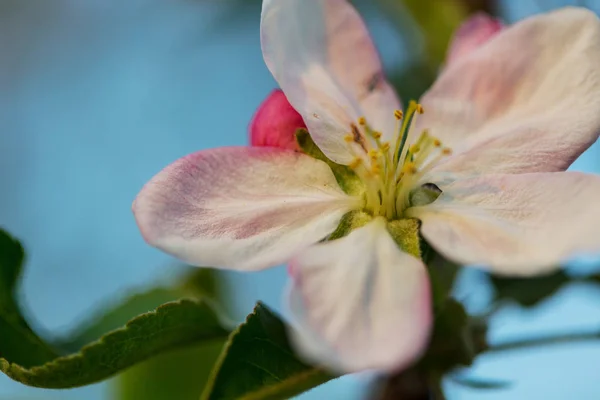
(275,123)
(471,34)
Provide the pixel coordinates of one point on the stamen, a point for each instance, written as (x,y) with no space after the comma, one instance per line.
(390,174)
(355,163)
(409,168)
(403,134)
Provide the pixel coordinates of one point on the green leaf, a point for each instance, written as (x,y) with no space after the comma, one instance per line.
(117,317)
(412,80)
(27,358)
(18,342)
(528,292)
(438,21)
(442,274)
(170,326)
(12,256)
(180,374)
(198,283)
(454,339)
(258,363)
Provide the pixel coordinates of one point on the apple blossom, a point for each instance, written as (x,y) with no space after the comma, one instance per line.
(472,33)
(275,123)
(477,165)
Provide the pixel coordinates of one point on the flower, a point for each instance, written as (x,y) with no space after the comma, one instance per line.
(275,123)
(478,164)
(474,32)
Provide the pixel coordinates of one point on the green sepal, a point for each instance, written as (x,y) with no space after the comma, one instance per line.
(405,233)
(346,178)
(349,222)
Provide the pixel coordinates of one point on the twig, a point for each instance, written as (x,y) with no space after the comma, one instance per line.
(543,341)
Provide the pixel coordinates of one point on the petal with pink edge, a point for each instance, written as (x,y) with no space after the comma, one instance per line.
(527,100)
(322,56)
(240,208)
(472,33)
(360,303)
(521,224)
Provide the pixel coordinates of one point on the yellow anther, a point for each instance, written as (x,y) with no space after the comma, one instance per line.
(362,121)
(420,109)
(355,163)
(409,168)
(385,146)
(349,138)
(447,151)
(398,114)
(414,148)
(377,135)
(373,154)
(437,142)
(375,169)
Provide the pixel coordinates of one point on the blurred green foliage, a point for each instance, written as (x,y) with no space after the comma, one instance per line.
(259,363)
(179,374)
(27,358)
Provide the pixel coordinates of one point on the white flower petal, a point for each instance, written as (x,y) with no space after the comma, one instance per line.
(520,224)
(240,207)
(525,101)
(320,53)
(360,302)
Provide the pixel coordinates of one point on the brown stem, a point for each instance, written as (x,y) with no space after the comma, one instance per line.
(411,384)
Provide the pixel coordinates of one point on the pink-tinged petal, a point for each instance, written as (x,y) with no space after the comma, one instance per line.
(275,123)
(474,32)
(525,101)
(244,208)
(360,303)
(515,224)
(320,53)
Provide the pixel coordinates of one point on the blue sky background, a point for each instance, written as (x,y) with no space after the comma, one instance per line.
(99,95)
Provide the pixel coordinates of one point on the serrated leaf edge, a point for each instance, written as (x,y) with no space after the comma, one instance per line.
(13,370)
(261,393)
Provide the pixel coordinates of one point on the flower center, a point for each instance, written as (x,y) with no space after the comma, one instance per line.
(390,171)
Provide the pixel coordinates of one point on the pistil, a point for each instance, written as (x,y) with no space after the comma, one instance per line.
(391,174)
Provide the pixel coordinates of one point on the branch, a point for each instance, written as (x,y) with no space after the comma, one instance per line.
(542,341)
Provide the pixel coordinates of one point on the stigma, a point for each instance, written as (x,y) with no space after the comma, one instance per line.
(391,170)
